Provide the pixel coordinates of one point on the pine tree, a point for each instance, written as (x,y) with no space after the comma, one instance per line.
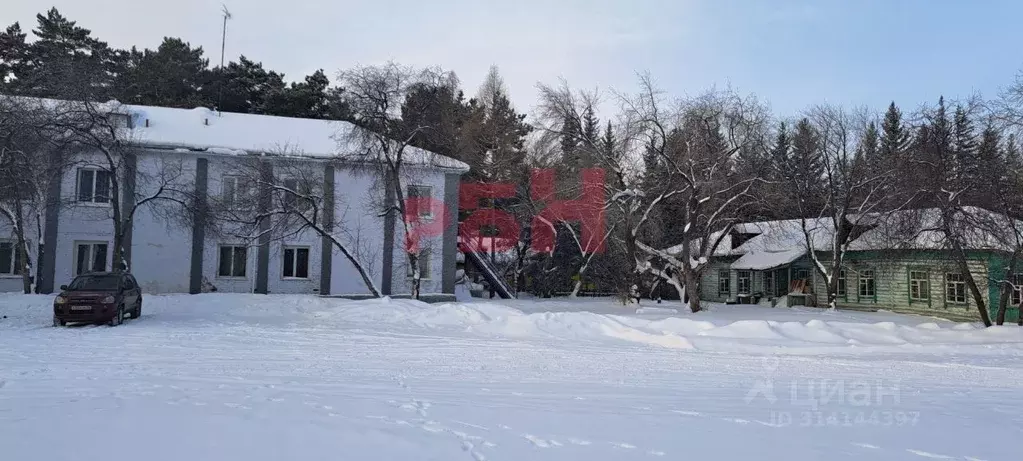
(964,147)
(13,54)
(571,134)
(807,159)
(65,61)
(306,99)
(870,143)
(168,76)
(243,86)
(591,131)
(895,138)
(506,132)
(608,143)
(781,165)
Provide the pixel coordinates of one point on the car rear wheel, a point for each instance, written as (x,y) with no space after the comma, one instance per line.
(116,320)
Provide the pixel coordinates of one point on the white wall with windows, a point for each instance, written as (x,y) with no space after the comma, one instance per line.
(421,182)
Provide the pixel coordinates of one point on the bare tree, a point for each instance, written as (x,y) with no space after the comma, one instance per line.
(383,143)
(32,156)
(839,198)
(280,197)
(697,142)
(105,130)
(945,180)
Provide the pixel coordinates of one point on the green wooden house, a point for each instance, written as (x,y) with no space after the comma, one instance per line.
(894,263)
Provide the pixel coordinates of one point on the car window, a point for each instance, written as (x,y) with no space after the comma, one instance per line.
(95,282)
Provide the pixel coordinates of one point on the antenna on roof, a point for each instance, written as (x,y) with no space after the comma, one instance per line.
(223,47)
(223,37)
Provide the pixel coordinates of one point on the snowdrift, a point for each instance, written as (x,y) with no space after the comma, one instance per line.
(587,321)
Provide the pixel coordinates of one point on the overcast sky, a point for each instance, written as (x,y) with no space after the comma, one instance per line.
(791,52)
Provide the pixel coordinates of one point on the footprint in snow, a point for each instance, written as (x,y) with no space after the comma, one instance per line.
(627,446)
(538,442)
(929,455)
(867,445)
(502,426)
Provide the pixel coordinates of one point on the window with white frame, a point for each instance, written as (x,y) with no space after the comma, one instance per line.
(296,263)
(955,288)
(424,265)
(417,204)
(235,192)
(843,283)
(93,185)
(233,259)
(11,261)
(724,283)
(744,282)
(90,257)
(867,287)
(297,193)
(919,286)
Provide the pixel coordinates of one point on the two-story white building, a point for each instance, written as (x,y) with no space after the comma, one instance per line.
(201,146)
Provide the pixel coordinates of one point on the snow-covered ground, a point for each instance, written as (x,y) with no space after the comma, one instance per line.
(247,377)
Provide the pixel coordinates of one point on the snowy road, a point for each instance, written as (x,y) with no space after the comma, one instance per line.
(237,377)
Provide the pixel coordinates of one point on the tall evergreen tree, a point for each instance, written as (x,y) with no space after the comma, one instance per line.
(13,54)
(306,99)
(591,130)
(781,164)
(609,143)
(964,147)
(66,61)
(243,86)
(169,76)
(895,137)
(807,159)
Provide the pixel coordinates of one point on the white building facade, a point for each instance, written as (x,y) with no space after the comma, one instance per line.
(173,255)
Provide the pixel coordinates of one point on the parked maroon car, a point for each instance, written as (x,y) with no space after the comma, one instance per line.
(98,297)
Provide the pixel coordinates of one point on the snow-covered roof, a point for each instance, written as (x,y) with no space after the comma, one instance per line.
(226,133)
(921,229)
(777,243)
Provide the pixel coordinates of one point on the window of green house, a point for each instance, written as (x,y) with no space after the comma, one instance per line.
(744,282)
(801,274)
(919,287)
(724,283)
(842,283)
(955,289)
(866,285)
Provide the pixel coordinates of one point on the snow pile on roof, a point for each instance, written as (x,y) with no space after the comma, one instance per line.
(920,229)
(226,133)
(778,243)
